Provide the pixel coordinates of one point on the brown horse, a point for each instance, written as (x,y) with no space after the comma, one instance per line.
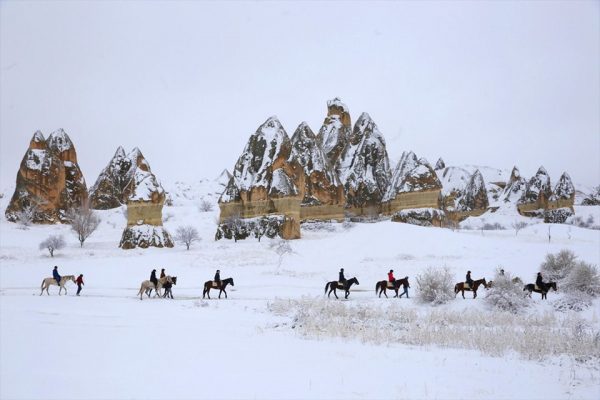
(462,286)
(334,285)
(382,286)
(214,285)
(531,287)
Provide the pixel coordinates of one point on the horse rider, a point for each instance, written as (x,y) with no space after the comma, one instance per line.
(162,273)
(153,279)
(79,282)
(56,275)
(342,278)
(217,279)
(539,281)
(391,278)
(469,280)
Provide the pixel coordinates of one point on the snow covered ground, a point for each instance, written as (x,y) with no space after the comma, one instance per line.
(108,344)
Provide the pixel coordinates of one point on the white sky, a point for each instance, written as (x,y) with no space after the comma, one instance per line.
(487,83)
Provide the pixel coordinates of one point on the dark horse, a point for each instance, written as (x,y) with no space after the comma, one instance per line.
(543,289)
(333,285)
(213,285)
(460,287)
(381,286)
(167,286)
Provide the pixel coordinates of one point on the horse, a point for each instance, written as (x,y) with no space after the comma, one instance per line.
(546,286)
(460,287)
(381,286)
(51,281)
(333,285)
(167,286)
(214,285)
(147,286)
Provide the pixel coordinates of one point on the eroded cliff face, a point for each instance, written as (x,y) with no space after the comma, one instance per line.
(145,200)
(536,195)
(264,181)
(49,180)
(334,133)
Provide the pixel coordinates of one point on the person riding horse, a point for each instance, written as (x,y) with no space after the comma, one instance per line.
(153,279)
(469,280)
(342,278)
(391,278)
(162,273)
(539,281)
(217,279)
(56,275)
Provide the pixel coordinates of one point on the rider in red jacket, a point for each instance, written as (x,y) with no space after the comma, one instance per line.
(391,276)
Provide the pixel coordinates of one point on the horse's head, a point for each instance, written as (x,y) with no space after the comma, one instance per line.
(169,279)
(485,284)
(231,280)
(355,280)
(72,277)
(552,285)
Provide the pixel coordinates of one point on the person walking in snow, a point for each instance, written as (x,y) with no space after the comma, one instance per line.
(391,276)
(79,283)
(342,278)
(469,280)
(217,279)
(56,275)
(153,278)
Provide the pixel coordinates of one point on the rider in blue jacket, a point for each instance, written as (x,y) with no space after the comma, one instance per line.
(55,274)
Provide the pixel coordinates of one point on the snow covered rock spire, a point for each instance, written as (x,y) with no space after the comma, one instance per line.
(564,193)
(109,190)
(537,193)
(364,167)
(440,164)
(49,180)
(145,198)
(475,196)
(336,128)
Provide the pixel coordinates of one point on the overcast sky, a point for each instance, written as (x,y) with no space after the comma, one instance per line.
(486,83)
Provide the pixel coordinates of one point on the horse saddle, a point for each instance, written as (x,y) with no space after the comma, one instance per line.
(390,285)
(536,287)
(340,285)
(466,285)
(215,285)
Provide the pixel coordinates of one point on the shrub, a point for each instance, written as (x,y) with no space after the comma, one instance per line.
(583,278)
(573,301)
(435,286)
(52,243)
(205,206)
(186,235)
(84,221)
(506,295)
(492,227)
(557,267)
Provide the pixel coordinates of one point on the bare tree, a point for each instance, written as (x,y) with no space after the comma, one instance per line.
(186,235)
(281,248)
(205,206)
(25,216)
(52,243)
(518,225)
(84,222)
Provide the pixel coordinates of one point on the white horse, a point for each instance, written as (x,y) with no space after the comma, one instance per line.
(148,286)
(47,282)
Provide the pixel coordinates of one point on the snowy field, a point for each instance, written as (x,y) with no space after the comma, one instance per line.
(265,340)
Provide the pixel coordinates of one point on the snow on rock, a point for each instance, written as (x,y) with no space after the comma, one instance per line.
(49,179)
(564,189)
(412,175)
(335,130)
(440,164)
(420,216)
(514,189)
(144,236)
(538,189)
(364,166)
(109,190)
(558,215)
(282,185)
(474,196)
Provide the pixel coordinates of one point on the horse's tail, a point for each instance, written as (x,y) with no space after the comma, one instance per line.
(42,285)
(377,286)
(141,288)
(525,288)
(456,289)
(326,287)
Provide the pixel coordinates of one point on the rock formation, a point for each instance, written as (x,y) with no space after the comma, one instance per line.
(514,188)
(145,201)
(440,164)
(474,199)
(334,133)
(49,180)
(263,181)
(364,168)
(414,185)
(109,190)
(421,217)
(536,195)
(317,182)
(564,194)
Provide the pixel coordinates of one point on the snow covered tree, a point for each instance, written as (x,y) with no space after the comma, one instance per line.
(24,217)
(205,206)
(84,221)
(506,294)
(281,248)
(583,278)
(557,267)
(435,286)
(53,243)
(518,225)
(186,235)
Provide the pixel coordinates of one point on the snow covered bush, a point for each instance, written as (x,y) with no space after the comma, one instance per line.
(435,286)
(186,235)
(593,199)
(281,248)
(505,294)
(583,278)
(84,221)
(518,225)
(557,267)
(24,217)
(496,226)
(205,206)
(573,301)
(53,243)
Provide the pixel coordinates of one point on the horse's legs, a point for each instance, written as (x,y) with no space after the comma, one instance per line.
(474,293)
(348,294)
(463,293)
(225,291)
